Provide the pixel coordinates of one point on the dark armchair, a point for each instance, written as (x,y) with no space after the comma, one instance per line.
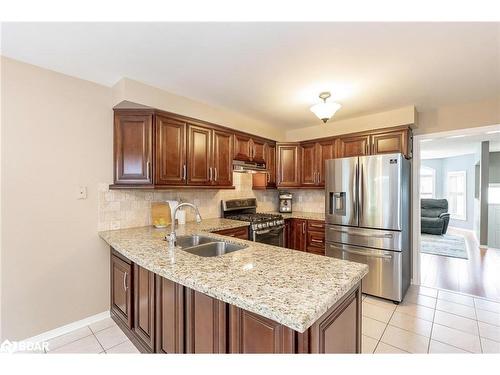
(435,216)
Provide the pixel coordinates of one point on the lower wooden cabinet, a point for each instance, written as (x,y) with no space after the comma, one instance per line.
(305,235)
(205,323)
(241,232)
(298,234)
(121,292)
(144,305)
(251,333)
(166,317)
(169,316)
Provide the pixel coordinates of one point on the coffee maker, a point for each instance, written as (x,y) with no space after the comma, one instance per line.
(285,201)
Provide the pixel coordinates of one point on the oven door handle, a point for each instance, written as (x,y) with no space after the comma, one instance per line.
(270,230)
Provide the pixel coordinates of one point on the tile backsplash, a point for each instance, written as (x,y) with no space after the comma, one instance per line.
(132,208)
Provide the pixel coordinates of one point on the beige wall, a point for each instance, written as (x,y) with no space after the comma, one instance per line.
(57,135)
(137,92)
(395,117)
(459,116)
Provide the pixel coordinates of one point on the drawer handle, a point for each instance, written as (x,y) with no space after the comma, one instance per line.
(125,287)
(318,241)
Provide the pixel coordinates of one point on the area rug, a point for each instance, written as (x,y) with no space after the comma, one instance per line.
(447,245)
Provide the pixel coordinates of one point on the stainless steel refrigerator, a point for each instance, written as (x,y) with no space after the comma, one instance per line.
(368,219)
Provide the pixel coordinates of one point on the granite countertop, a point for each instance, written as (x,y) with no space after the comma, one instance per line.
(300,215)
(291,287)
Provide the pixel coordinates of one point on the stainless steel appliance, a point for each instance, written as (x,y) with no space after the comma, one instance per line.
(285,201)
(248,166)
(264,228)
(368,219)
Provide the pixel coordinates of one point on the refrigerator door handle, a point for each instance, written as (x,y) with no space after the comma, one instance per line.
(366,254)
(385,235)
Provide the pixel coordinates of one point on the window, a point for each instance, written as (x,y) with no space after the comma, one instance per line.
(456,195)
(427,183)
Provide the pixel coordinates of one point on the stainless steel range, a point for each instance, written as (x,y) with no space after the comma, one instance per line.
(264,228)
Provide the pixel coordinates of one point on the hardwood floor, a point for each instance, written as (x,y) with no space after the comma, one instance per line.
(479,275)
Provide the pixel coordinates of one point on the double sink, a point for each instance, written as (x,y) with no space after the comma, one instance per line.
(205,246)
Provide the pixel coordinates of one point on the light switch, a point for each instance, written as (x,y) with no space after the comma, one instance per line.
(82,192)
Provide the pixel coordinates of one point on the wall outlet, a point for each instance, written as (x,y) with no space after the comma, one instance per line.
(82,192)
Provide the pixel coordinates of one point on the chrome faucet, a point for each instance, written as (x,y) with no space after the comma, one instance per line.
(172,237)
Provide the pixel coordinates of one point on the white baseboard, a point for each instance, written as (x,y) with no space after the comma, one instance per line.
(68,328)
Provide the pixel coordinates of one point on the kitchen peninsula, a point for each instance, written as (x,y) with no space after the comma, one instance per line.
(261,299)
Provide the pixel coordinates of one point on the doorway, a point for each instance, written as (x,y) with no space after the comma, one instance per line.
(456,215)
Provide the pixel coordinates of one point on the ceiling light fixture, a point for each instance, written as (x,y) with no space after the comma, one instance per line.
(325,111)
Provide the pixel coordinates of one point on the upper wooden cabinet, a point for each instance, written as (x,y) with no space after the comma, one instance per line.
(248,148)
(353,146)
(170,155)
(267,179)
(389,142)
(133,148)
(222,161)
(199,156)
(313,159)
(288,164)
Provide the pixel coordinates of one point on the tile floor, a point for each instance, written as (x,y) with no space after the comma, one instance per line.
(103,336)
(428,321)
(431,321)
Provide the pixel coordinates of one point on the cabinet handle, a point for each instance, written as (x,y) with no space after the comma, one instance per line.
(319,177)
(268,177)
(210,174)
(184,172)
(318,241)
(125,287)
(148,168)
(316,225)
(303,228)
(215,174)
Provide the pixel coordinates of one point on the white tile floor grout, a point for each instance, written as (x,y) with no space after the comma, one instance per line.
(455,326)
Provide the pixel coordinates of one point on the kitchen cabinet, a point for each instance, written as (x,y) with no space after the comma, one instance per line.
(170,155)
(144,306)
(298,236)
(353,146)
(206,320)
(313,159)
(315,242)
(199,168)
(121,293)
(222,161)
(253,334)
(390,142)
(247,148)
(288,164)
(133,148)
(241,232)
(267,179)
(169,316)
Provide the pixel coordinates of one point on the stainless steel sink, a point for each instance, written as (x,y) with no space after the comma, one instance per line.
(193,240)
(213,249)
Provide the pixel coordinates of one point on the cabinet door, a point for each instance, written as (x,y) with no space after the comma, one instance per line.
(199,143)
(253,334)
(354,146)
(169,316)
(133,148)
(121,296)
(170,160)
(144,305)
(206,319)
(270,152)
(222,158)
(241,233)
(308,164)
(339,329)
(390,142)
(288,165)
(257,151)
(326,150)
(242,147)
(299,234)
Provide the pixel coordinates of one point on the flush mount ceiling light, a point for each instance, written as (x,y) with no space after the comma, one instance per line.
(325,110)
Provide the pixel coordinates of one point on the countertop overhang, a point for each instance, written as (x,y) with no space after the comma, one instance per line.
(291,287)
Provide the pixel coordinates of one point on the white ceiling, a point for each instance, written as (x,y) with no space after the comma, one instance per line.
(274,71)
(438,148)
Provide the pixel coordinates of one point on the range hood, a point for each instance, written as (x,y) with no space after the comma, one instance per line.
(248,166)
